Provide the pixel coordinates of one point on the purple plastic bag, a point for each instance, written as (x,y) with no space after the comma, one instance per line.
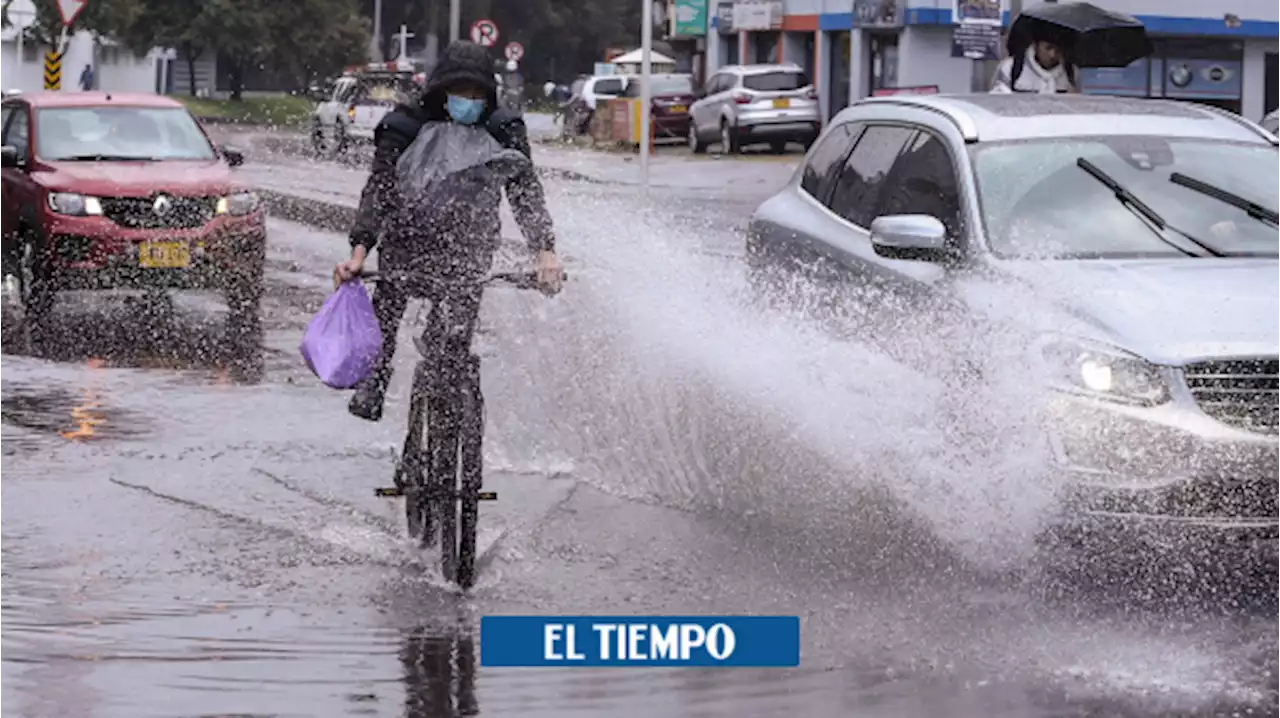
(343,340)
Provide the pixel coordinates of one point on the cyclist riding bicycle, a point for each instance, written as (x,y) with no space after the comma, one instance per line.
(461,89)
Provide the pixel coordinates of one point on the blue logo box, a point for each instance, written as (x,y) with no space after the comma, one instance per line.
(658,641)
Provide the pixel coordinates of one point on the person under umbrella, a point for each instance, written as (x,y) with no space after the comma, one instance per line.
(1043,67)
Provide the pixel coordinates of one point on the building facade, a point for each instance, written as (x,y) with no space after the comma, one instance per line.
(1222,54)
(115,68)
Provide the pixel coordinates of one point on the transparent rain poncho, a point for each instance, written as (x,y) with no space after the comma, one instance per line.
(450,184)
(449,163)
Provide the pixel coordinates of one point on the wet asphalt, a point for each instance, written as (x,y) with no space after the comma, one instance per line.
(179,541)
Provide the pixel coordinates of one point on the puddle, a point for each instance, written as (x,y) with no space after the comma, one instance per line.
(142,332)
(78,416)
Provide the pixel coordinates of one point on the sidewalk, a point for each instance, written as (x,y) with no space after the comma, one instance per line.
(669,167)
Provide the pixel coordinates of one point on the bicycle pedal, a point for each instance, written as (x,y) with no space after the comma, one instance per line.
(388,493)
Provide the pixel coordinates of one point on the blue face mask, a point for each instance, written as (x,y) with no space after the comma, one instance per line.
(464,110)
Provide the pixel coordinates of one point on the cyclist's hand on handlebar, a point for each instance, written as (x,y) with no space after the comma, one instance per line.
(550,273)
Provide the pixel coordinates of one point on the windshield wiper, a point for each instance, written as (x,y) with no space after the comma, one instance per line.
(107,158)
(1137,206)
(1253,209)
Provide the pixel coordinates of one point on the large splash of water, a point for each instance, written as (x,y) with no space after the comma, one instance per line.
(659,379)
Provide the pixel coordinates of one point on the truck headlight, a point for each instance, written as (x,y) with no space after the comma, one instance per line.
(238,204)
(1103,372)
(76,205)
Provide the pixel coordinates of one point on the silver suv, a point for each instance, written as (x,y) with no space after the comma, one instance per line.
(1117,255)
(744,105)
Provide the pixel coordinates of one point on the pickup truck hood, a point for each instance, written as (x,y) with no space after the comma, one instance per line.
(138,179)
(1171,311)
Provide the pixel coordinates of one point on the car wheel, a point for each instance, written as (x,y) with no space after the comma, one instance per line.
(696,145)
(777,147)
(36,290)
(244,287)
(35,286)
(729,143)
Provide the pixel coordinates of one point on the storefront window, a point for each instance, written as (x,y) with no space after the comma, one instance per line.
(766,47)
(884,61)
(838,84)
(1192,70)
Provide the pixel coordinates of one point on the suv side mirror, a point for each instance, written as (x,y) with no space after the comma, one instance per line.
(910,236)
(234,157)
(10,156)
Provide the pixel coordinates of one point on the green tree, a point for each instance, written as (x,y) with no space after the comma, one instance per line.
(295,38)
(180,24)
(104,17)
(315,38)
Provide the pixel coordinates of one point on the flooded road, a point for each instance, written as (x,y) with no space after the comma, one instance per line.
(180,543)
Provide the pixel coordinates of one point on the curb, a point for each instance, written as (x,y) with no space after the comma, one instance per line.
(316,213)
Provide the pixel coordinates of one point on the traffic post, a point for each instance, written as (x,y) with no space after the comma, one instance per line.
(53,70)
(484,33)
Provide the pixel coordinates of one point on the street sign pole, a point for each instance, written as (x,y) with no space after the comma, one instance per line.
(455,20)
(646,70)
(375,41)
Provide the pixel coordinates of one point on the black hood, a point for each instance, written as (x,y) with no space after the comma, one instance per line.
(462,61)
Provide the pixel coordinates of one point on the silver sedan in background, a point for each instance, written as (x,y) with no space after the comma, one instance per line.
(1127,249)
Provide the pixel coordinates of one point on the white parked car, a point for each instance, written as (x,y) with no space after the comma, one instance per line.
(357,102)
(744,105)
(602,87)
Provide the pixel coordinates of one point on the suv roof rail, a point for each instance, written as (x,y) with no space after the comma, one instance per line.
(1244,122)
(963,122)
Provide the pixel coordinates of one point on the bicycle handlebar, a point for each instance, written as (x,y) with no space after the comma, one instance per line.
(519,280)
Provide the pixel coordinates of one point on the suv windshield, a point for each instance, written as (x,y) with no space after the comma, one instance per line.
(775,81)
(120,133)
(1037,201)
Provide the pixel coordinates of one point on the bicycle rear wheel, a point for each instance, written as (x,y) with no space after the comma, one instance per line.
(471,437)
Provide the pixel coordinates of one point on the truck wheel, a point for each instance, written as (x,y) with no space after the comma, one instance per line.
(340,143)
(317,139)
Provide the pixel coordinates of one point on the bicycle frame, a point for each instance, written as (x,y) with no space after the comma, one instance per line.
(441,477)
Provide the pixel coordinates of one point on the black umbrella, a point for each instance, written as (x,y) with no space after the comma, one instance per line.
(1090,36)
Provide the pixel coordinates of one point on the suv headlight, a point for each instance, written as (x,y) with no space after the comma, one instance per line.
(1103,372)
(238,204)
(76,205)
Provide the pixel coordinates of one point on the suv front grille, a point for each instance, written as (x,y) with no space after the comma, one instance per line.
(1239,392)
(176,213)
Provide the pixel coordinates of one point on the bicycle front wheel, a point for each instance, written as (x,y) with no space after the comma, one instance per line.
(471,437)
(443,480)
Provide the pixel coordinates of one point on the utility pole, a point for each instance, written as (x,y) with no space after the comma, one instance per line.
(646,71)
(375,42)
(455,20)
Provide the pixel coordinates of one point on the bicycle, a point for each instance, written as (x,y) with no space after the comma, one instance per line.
(440,472)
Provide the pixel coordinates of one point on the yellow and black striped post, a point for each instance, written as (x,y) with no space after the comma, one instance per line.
(53,70)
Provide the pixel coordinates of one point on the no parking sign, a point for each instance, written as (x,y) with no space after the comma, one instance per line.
(484,32)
